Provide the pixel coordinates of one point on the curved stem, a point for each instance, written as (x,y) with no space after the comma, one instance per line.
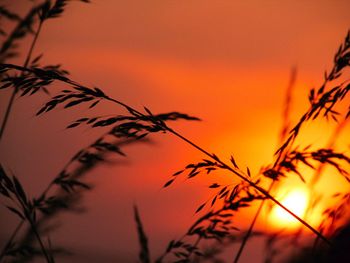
(15,90)
(4,123)
(19,226)
(235,171)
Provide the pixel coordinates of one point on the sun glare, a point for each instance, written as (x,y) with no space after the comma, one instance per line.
(296,201)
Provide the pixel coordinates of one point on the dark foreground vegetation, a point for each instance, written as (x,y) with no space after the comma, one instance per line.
(214,225)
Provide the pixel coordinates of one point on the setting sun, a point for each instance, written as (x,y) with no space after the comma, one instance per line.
(174,131)
(296,201)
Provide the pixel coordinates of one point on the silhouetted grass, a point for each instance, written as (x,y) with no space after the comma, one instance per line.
(144,251)
(81,94)
(228,200)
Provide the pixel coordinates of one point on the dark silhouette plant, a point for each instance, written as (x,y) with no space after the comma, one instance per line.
(136,125)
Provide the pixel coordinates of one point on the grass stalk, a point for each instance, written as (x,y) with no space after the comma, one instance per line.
(15,89)
(251,227)
(3,127)
(224,165)
(21,223)
(234,171)
(42,246)
(11,239)
(283,135)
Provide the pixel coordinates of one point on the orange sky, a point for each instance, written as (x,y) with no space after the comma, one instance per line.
(227,62)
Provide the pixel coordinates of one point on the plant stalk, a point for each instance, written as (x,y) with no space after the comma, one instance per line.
(10,241)
(223,164)
(283,134)
(15,90)
(42,246)
(3,126)
(252,224)
(242,177)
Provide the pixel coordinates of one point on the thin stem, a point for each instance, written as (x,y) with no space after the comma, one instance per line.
(233,170)
(4,123)
(8,111)
(15,90)
(190,232)
(28,217)
(212,156)
(252,224)
(317,175)
(19,226)
(43,194)
(319,171)
(283,135)
(42,246)
(199,238)
(30,53)
(10,241)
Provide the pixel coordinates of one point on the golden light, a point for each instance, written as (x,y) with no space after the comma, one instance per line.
(296,201)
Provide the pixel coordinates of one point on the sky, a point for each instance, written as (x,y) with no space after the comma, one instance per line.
(227,62)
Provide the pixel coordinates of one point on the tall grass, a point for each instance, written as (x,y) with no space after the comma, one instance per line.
(136,125)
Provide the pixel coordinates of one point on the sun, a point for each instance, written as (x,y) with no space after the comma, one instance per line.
(295,200)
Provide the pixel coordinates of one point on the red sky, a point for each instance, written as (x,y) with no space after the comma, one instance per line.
(227,62)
